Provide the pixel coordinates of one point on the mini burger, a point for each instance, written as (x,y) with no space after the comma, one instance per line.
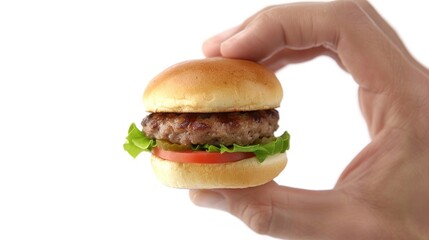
(212,124)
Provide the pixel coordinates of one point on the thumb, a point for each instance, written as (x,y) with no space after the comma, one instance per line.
(278,211)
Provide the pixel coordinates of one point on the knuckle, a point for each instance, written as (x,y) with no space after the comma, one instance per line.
(264,17)
(269,14)
(349,9)
(348,5)
(258,217)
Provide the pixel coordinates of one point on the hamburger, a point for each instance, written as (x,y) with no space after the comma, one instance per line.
(211,124)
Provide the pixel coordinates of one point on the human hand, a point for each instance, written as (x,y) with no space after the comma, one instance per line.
(383,193)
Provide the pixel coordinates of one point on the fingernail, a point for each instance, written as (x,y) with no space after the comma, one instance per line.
(228,45)
(211,47)
(233,38)
(220,37)
(228,33)
(207,198)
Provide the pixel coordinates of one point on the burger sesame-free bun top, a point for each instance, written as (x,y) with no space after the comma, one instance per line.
(213,85)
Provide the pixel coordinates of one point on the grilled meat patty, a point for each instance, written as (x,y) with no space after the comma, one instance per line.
(243,128)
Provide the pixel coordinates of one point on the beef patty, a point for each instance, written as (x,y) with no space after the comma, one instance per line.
(243,128)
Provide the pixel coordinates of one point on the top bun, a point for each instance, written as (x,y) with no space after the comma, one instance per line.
(213,85)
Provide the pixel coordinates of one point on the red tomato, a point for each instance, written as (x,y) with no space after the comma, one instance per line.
(200,156)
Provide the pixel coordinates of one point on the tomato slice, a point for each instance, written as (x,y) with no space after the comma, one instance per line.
(200,156)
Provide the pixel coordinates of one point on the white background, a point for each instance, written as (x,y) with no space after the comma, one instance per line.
(71,78)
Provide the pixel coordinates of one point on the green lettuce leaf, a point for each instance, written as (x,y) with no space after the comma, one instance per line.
(261,151)
(138,142)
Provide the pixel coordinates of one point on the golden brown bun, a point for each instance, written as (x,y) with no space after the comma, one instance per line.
(241,174)
(213,85)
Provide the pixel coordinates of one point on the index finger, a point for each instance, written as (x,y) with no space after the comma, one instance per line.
(341,26)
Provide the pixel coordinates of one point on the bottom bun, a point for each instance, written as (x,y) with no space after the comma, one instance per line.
(241,174)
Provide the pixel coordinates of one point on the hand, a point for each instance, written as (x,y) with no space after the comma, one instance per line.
(383,193)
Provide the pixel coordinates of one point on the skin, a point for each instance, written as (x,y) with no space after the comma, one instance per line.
(383,193)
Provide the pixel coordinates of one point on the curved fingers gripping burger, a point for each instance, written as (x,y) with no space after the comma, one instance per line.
(212,124)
